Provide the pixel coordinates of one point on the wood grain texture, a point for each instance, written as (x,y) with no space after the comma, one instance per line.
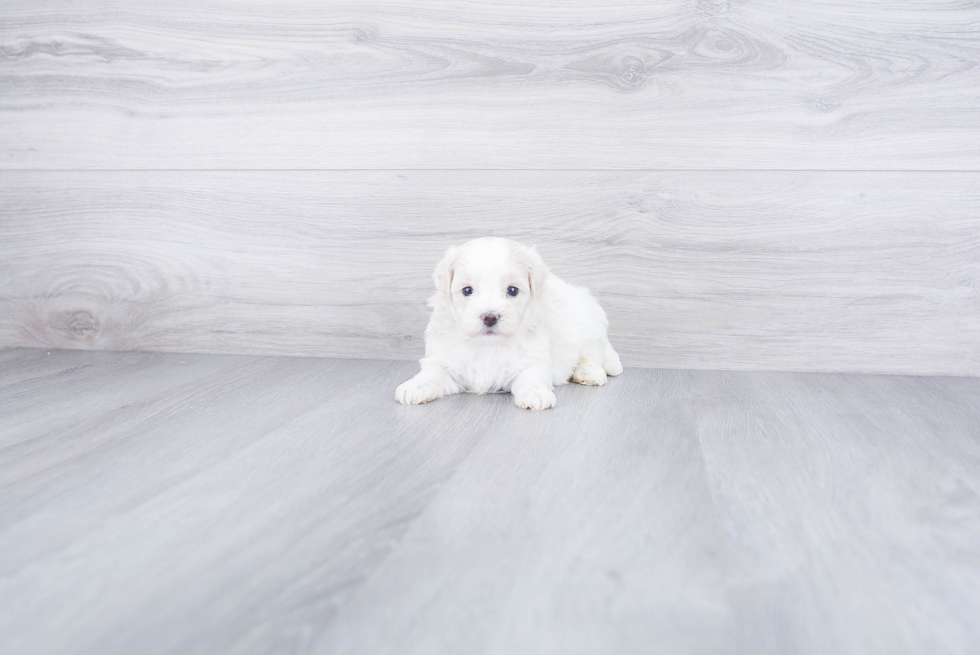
(256,505)
(700,512)
(873,272)
(247,479)
(692,84)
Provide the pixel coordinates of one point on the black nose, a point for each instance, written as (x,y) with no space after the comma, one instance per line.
(490,319)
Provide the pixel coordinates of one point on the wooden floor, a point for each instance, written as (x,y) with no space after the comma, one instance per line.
(155,503)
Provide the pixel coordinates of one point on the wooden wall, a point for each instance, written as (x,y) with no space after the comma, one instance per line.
(756,185)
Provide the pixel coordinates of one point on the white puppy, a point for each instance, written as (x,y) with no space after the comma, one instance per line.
(501,322)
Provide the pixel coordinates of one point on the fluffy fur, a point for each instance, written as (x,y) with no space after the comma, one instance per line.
(485,338)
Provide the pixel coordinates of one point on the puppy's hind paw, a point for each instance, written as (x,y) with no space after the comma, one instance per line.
(414,392)
(589,374)
(612,364)
(536,398)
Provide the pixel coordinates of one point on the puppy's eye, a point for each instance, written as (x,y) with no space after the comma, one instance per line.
(467,291)
(511,291)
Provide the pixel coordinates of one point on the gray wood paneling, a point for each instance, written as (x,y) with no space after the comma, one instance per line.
(703,84)
(268,505)
(753,270)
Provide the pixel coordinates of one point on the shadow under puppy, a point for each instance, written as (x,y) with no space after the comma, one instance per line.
(501,322)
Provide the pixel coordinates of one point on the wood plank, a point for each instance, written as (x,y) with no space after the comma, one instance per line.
(863,494)
(699,512)
(711,84)
(833,271)
(83,386)
(233,514)
(592,530)
(290,505)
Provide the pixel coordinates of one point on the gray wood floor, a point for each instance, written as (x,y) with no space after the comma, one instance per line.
(207,504)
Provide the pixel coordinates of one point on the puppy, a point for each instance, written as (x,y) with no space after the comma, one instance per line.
(501,322)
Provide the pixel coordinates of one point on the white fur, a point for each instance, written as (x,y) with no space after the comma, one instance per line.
(550,333)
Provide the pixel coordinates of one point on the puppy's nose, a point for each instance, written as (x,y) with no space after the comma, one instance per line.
(490,319)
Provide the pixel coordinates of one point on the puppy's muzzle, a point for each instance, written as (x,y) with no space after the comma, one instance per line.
(490,319)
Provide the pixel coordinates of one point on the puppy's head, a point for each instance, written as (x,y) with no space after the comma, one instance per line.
(490,283)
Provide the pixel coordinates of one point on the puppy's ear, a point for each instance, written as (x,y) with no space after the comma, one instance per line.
(537,272)
(443,275)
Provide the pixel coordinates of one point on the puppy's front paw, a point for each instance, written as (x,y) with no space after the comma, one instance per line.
(415,392)
(535,398)
(589,374)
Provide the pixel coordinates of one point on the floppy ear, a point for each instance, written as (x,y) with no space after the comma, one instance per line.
(537,272)
(443,275)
